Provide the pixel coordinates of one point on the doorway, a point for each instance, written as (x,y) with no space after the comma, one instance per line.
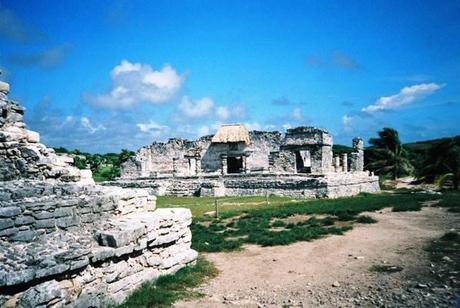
(303,161)
(234,164)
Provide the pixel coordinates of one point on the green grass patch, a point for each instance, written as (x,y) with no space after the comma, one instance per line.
(266,225)
(451,200)
(385,268)
(364,219)
(170,288)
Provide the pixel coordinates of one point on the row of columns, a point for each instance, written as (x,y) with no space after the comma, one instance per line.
(340,163)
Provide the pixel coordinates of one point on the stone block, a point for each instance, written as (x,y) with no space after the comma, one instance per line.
(119,238)
(24,236)
(9,211)
(41,294)
(6,223)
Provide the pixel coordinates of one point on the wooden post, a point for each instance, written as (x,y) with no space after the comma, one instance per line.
(216,207)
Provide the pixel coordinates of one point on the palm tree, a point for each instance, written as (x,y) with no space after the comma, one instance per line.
(387,156)
(442,162)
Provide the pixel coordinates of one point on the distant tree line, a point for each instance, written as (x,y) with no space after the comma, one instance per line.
(434,161)
(105,167)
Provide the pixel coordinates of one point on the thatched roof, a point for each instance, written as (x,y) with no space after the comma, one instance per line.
(231,133)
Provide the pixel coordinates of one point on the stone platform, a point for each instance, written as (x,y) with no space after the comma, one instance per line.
(328,185)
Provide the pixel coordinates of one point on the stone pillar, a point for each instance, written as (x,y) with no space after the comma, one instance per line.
(244,158)
(344,162)
(224,164)
(337,163)
(357,163)
(198,165)
(175,166)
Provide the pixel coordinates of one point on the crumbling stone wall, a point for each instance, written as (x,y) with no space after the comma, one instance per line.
(66,242)
(262,144)
(22,154)
(282,162)
(315,140)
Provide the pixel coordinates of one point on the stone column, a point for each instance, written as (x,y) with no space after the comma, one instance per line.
(358,161)
(198,165)
(344,162)
(244,163)
(224,164)
(174,166)
(337,163)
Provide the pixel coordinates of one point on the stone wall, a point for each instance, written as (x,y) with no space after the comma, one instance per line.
(63,245)
(21,153)
(330,185)
(66,242)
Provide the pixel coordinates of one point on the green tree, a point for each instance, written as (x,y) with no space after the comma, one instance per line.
(442,162)
(387,156)
(124,155)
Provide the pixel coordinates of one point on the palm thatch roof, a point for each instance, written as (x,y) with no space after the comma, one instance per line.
(231,133)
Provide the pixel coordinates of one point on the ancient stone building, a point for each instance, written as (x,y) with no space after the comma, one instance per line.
(65,242)
(237,162)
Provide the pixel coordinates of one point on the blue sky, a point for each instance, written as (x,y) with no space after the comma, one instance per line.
(106,75)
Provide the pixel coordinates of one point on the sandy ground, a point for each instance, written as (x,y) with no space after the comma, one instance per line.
(334,271)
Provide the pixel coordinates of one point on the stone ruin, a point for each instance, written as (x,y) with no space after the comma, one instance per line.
(66,242)
(235,162)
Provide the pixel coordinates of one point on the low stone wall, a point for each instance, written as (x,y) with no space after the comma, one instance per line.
(64,244)
(331,185)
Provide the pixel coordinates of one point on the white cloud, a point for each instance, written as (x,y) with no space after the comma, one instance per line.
(406,96)
(133,83)
(204,130)
(346,120)
(86,124)
(223,112)
(296,114)
(196,109)
(253,126)
(47,59)
(152,127)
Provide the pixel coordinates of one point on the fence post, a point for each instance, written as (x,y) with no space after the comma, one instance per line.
(216,208)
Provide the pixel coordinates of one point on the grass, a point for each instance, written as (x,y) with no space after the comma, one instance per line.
(451,200)
(200,206)
(170,288)
(250,220)
(385,268)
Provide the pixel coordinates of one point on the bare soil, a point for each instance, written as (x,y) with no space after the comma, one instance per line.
(335,271)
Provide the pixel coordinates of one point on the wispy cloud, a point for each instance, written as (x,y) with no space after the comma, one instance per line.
(406,96)
(281,101)
(196,109)
(116,12)
(133,83)
(152,127)
(14,29)
(337,59)
(47,59)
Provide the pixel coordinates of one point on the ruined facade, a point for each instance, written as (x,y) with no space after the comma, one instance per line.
(66,242)
(237,162)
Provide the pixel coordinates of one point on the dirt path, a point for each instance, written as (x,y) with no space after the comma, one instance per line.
(334,271)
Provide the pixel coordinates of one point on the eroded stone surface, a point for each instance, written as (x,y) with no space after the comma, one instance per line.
(65,242)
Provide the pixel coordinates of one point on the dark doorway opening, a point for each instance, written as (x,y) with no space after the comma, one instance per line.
(234,164)
(300,163)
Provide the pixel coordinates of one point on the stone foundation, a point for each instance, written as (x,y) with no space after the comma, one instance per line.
(330,185)
(63,244)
